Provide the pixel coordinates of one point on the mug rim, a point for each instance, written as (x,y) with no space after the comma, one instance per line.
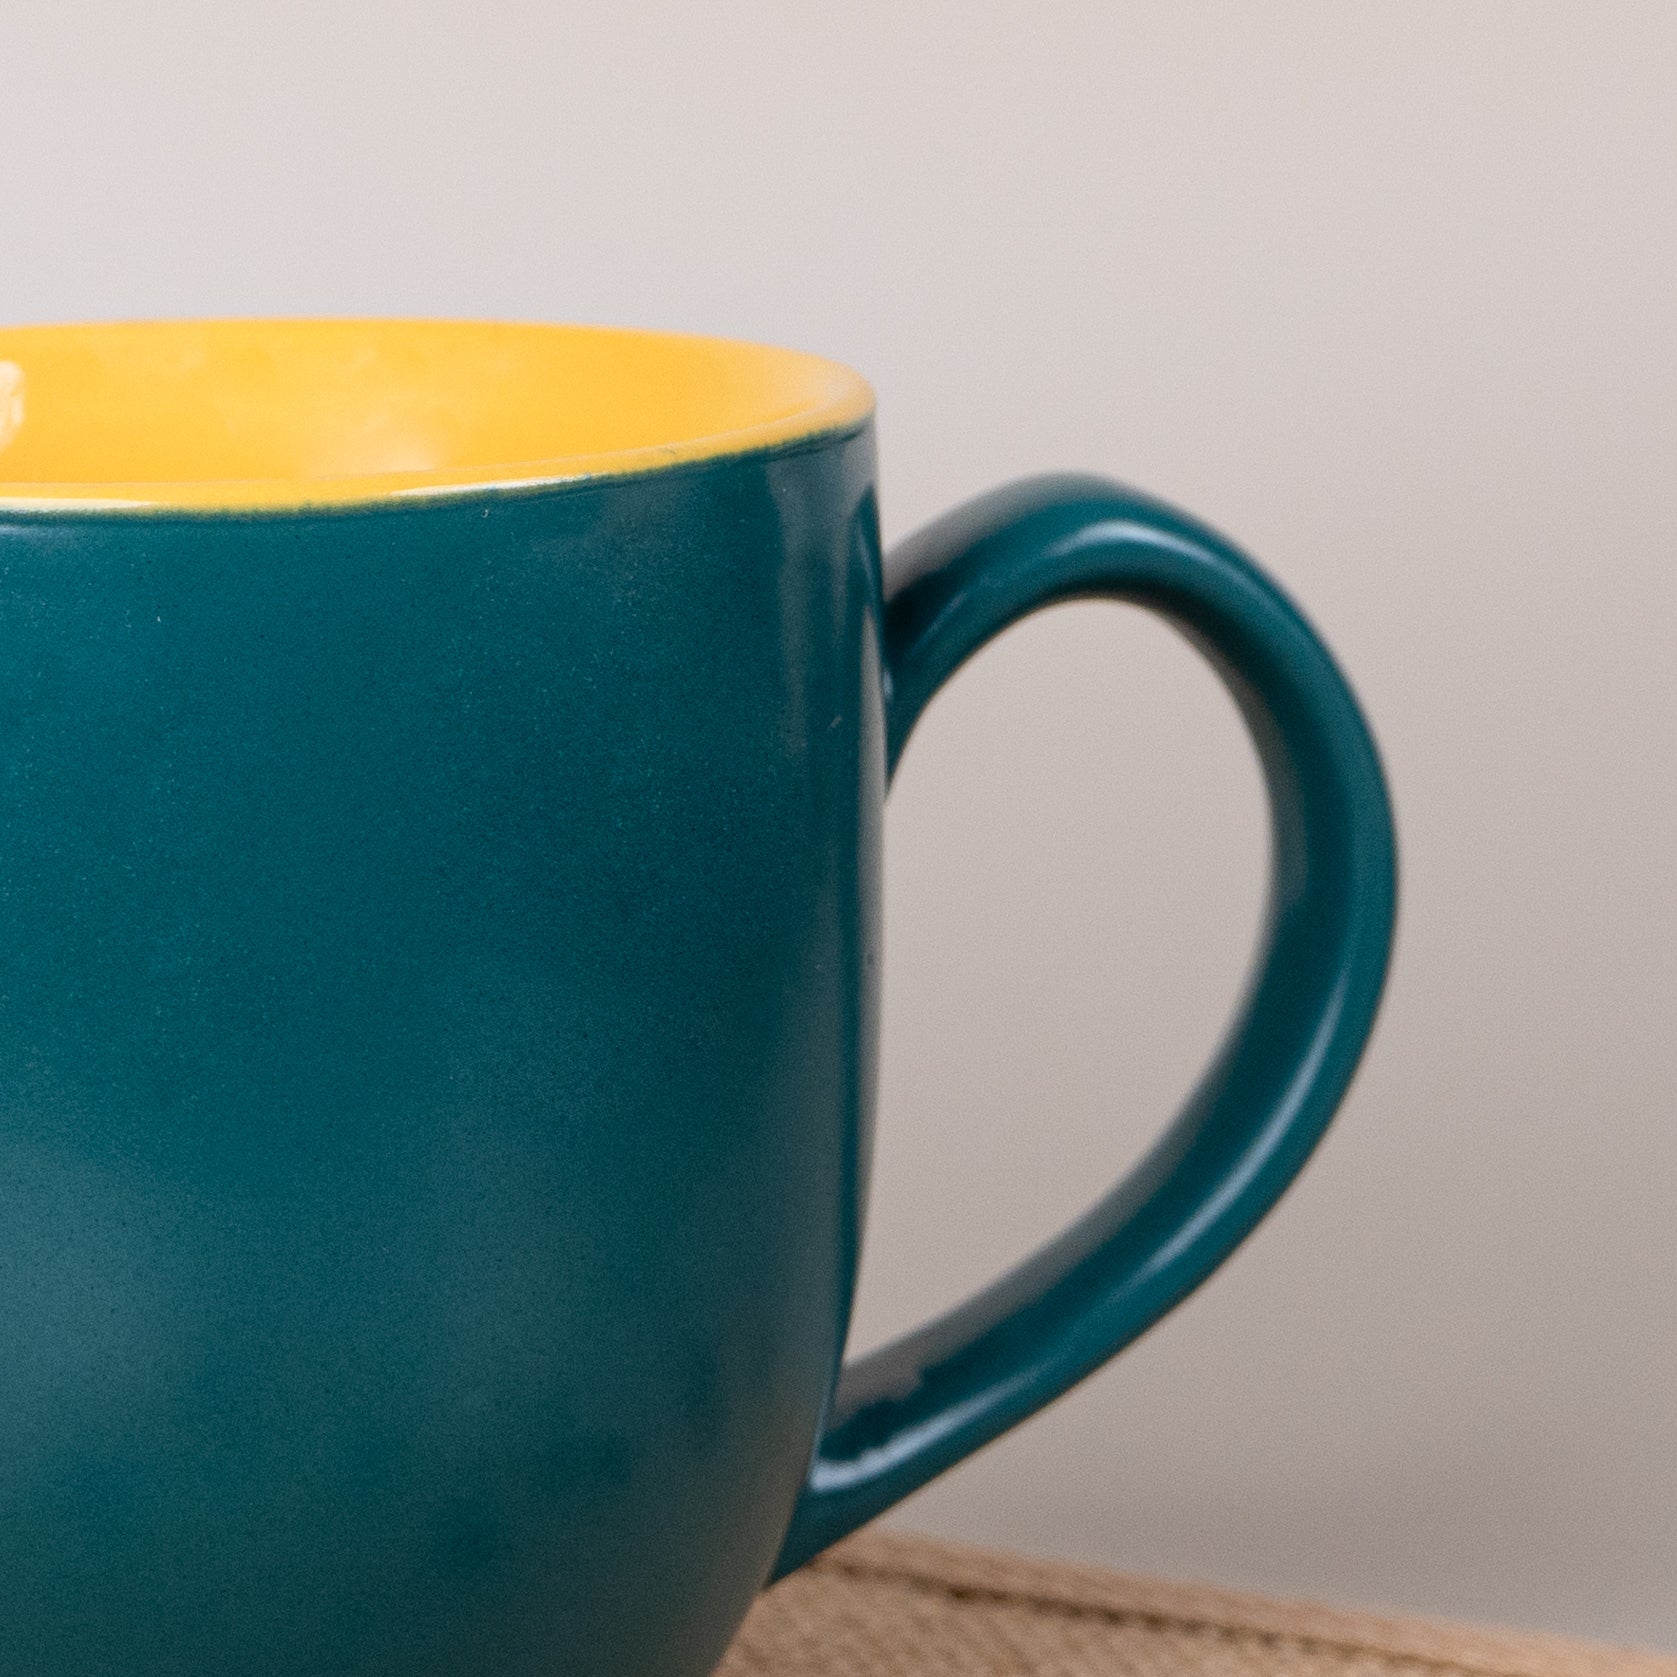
(294,413)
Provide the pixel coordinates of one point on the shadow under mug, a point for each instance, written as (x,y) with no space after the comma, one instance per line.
(440,783)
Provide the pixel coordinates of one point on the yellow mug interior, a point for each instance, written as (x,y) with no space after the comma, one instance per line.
(236,414)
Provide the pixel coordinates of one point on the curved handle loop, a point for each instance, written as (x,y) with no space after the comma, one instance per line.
(904,1413)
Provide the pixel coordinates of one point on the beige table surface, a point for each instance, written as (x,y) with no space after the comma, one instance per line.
(890,1605)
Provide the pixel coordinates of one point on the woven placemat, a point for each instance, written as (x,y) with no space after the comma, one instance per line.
(889,1605)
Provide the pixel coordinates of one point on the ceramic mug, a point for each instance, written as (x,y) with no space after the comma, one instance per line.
(440,784)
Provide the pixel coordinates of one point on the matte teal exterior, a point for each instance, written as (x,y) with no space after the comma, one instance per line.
(438,981)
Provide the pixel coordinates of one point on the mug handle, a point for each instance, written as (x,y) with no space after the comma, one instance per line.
(904,1413)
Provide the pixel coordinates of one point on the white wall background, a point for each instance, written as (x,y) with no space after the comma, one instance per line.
(1388,291)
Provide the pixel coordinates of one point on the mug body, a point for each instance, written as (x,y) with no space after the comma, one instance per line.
(437,992)
(440,783)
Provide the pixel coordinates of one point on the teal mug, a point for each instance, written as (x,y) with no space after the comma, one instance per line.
(440,784)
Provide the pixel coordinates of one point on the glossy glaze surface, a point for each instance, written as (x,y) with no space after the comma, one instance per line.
(437,1015)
